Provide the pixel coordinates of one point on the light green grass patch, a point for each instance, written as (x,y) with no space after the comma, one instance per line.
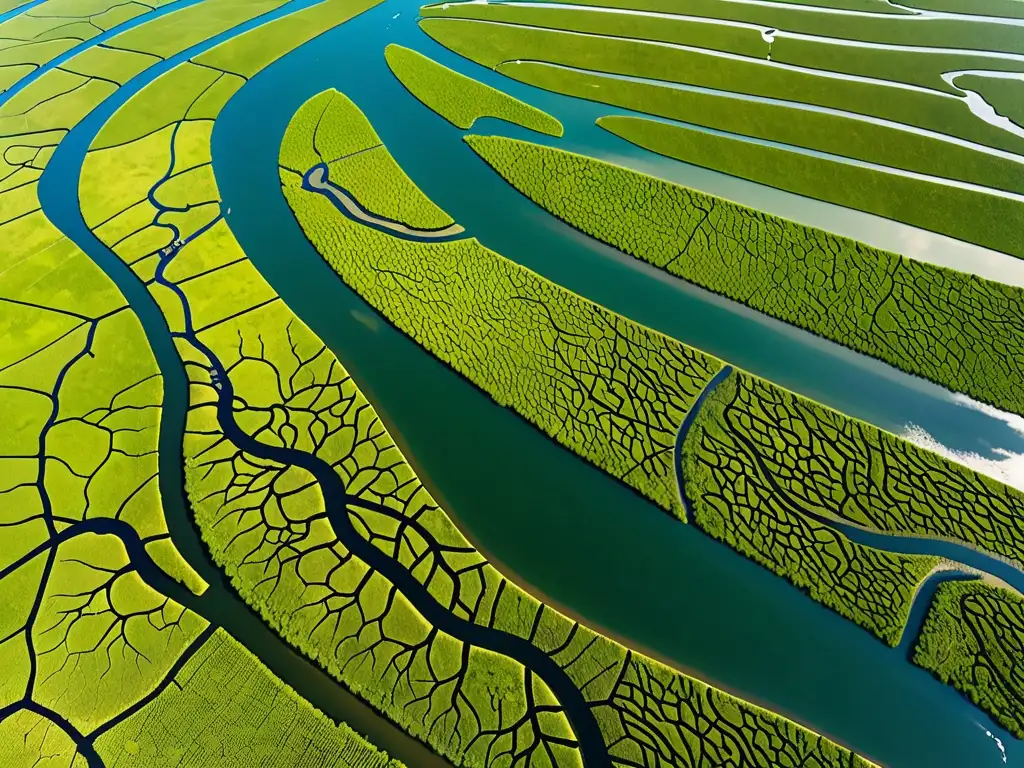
(783,123)
(950,327)
(973,639)
(492,44)
(226,708)
(459,99)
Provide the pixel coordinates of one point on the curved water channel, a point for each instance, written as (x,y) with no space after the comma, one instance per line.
(318,179)
(562,526)
(58,193)
(559,525)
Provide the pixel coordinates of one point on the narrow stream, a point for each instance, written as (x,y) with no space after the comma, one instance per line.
(317,179)
(58,192)
(546,515)
(554,522)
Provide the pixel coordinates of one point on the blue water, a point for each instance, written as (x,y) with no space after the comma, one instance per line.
(103,37)
(17,11)
(565,528)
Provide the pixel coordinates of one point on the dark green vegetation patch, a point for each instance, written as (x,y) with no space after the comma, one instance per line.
(973,639)
(953,328)
(810,459)
(754,479)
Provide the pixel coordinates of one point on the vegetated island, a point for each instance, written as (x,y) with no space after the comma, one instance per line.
(324,528)
(973,639)
(459,99)
(610,390)
(956,329)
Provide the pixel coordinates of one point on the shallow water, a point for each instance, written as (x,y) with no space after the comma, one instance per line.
(560,525)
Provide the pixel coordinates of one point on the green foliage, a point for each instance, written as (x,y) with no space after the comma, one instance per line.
(246,55)
(950,327)
(1006,95)
(459,99)
(609,389)
(167,35)
(1011,9)
(168,96)
(732,38)
(989,220)
(754,465)
(891,26)
(923,68)
(31,39)
(356,160)
(224,705)
(499,45)
(973,639)
(103,639)
(844,469)
(26,738)
(822,131)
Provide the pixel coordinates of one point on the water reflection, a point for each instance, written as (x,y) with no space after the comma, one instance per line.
(557,523)
(1004,464)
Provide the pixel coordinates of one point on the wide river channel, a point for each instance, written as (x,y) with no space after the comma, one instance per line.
(551,521)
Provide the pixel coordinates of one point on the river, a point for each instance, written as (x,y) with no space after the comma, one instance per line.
(554,522)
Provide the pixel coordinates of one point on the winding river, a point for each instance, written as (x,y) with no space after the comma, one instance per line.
(564,528)
(557,524)
(318,179)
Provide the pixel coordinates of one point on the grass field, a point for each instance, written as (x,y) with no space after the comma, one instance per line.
(547,340)
(973,639)
(1004,94)
(893,28)
(702,33)
(966,214)
(950,327)
(459,99)
(713,26)
(40,34)
(782,123)
(223,704)
(922,68)
(89,636)
(498,44)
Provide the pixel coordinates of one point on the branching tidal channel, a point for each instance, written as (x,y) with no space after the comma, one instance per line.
(220,605)
(61,204)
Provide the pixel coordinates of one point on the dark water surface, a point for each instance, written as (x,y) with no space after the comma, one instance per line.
(558,524)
